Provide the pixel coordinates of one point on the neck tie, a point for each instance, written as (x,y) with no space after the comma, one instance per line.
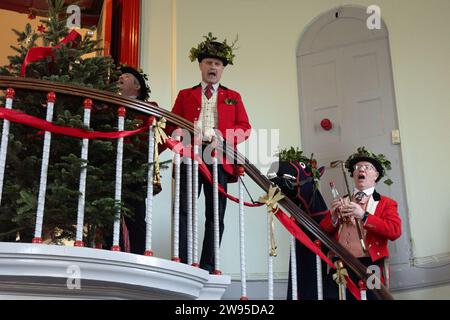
(208,92)
(359,196)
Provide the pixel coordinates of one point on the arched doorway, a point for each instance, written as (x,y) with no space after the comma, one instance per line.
(345,75)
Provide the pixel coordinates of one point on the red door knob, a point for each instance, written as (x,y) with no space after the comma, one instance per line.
(326,124)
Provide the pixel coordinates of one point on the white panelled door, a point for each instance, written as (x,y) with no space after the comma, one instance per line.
(351,85)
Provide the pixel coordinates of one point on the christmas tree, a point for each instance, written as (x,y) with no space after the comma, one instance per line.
(68,64)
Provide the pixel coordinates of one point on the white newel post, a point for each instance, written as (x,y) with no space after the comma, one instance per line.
(319,273)
(270,257)
(149,200)
(216,212)
(83,173)
(51,99)
(10,93)
(189,208)
(293,269)
(362,289)
(195,260)
(176,209)
(121,112)
(242,235)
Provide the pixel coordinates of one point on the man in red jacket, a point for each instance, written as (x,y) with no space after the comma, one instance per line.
(377,215)
(215,111)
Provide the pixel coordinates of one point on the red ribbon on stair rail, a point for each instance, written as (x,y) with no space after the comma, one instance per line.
(39,53)
(288,223)
(38,123)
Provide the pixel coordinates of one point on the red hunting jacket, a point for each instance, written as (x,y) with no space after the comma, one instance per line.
(382,224)
(231,114)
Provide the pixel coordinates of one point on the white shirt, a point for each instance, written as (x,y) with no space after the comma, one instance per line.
(208,114)
(215,87)
(368,191)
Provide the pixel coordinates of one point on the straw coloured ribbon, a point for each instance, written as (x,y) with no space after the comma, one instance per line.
(160,138)
(271,201)
(340,274)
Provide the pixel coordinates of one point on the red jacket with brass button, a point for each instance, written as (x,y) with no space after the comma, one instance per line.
(231,116)
(383,225)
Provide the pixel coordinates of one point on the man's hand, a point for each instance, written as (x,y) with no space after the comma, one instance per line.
(352,209)
(336,206)
(198,131)
(209,135)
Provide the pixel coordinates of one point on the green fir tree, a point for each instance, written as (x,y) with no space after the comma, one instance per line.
(21,185)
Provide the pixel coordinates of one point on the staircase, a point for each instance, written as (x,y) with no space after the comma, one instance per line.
(41,271)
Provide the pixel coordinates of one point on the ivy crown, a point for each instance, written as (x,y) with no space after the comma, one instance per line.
(212,48)
(378,160)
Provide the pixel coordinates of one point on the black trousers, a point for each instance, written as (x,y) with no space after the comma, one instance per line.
(136,227)
(331,289)
(207,256)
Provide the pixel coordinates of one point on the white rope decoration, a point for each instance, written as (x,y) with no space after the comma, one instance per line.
(362,289)
(149,199)
(344,292)
(83,174)
(270,261)
(216,214)
(5,139)
(319,278)
(118,186)
(294,270)
(242,241)
(195,207)
(189,208)
(176,210)
(363,295)
(51,98)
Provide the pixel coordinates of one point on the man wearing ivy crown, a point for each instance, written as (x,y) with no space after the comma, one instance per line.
(215,111)
(377,214)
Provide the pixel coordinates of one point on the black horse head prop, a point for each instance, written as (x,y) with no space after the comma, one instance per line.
(298,180)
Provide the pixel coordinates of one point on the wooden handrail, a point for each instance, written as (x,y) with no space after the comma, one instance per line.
(301,217)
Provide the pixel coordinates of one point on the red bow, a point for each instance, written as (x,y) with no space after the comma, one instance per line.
(39,53)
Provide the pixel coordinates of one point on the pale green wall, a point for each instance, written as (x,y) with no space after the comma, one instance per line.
(265,73)
(432,293)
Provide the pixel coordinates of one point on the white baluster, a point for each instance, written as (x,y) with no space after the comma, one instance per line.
(242,236)
(270,260)
(319,273)
(294,270)
(362,289)
(189,208)
(216,213)
(176,209)
(51,98)
(195,207)
(118,187)
(149,200)
(83,173)
(10,93)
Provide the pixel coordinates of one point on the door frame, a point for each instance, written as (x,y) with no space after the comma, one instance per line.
(122,31)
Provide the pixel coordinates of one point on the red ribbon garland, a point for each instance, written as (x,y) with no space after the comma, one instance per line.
(177,147)
(39,53)
(23,118)
(298,233)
